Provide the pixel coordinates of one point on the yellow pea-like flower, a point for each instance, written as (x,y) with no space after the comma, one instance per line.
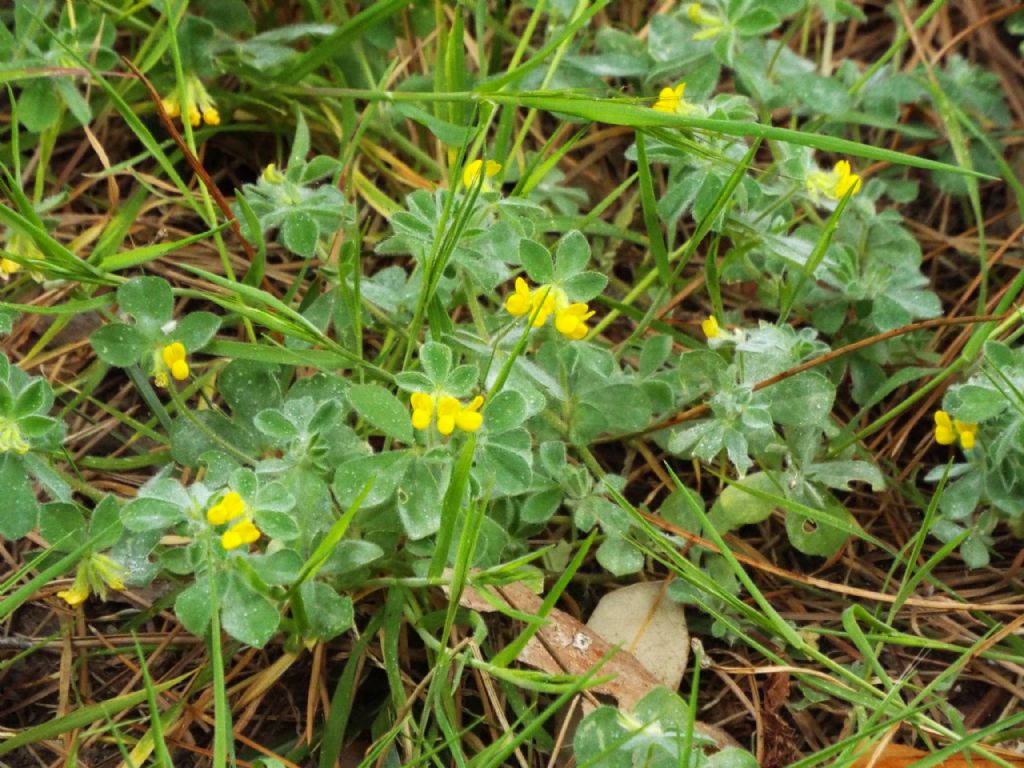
(447,409)
(520,302)
(469,418)
(948,430)
(669,99)
(241,533)
(472,172)
(571,322)
(710,327)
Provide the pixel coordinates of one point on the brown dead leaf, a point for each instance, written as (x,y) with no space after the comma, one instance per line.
(900,756)
(562,645)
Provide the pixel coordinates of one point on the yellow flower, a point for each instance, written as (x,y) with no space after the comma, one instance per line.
(469,418)
(713,25)
(198,105)
(241,533)
(228,508)
(95,573)
(271,175)
(519,303)
(834,184)
(571,322)
(422,410)
(447,409)
(78,592)
(8,267)
(670,98)
(710,327)
(471,173)
(450,412)
(171,359)
(545,300)
(947,431)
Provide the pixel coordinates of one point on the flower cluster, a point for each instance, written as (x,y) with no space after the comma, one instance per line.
(198,106)
(450,412)
(471,173)
(713,25)
(947,431)
(834,184)
(95,573)
(545,300)
(232,507)
(171,360)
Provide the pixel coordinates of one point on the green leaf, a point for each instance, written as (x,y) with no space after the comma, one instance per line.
(21,510)
(195,330)
(277,525)
(280,567)
(192,607)
(119,344)
(382,410)
(351,555)
(329,613)
(536,261)
(299,233)
(275,425)
(619,557)
(449,133)
(734,507)
(146,514)
(506,411)
(62,525)
(803,400)
(817,537)
(38,107)
(973,403)
(385,469)
(149,300)
(247,615)
(249,386)
(419,501)
(572,256)
(436,360)
(584,286)
(839,474)
(36,397)
(654,354)
(757,22)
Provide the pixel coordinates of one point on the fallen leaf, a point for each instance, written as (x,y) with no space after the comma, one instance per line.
(900,756)
(644,621)
(563,645)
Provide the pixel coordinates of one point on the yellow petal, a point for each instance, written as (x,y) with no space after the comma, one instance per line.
(211,116)
(179,370)
(233,504)
(710,327)
(471,172)
(446,423)
(421,401)
(172,353)
(942,420)
(469,421)
(447,406)
(76,595)
(421,419)
(217,515)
